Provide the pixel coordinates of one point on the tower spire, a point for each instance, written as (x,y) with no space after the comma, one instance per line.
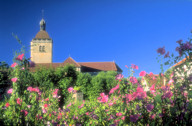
(42,22)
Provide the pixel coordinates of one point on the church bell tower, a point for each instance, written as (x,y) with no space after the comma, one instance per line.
(42,46)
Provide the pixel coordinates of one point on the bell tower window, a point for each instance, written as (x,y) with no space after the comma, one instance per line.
(41,48)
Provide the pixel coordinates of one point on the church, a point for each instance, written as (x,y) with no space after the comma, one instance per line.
(42,56)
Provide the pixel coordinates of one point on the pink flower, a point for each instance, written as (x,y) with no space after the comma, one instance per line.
(87,113)
(170,81)
(134,118)
(129,97)
(14,64)
(45,105)
(133,80)
(111,91)
(134,66)
(126,66)
(70,89)
(150,74)
(10,91)
(25,112)
(28,106)
(55,93)
(19,101)
(142,73)
(152,89)
(7,104)
(14,80)
(161,50)
(152,116)
(116,87)
(102,94)
(119,76)
(104,99)
(20,57)
(119,114)
(150,107)
(110,104)
(30,89)
(69,105)
(123,118)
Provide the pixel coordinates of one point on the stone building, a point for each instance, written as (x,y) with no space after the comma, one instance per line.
(41,55)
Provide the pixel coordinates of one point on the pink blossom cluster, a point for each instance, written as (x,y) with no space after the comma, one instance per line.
(70,89)
(55,93)
(36,89)
(133,80)
(25,112)
(103,98)
(113,89)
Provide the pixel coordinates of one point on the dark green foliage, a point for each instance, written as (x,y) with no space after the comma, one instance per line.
(44,78)
(84,82)
(102,82)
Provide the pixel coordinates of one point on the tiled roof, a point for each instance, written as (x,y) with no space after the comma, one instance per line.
(42,35)
(102,66)
(71,61)
(87,66)
(180,62)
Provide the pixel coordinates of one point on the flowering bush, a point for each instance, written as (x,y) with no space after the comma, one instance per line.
(127,102)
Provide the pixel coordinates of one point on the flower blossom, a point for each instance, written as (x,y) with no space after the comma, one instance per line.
(134,118)
(70,89)
(134,66)
(7,104)
(103,98)
(161,50)
(140,93)
(14,64)
(19,101)
(119,76)
(55,93)
(152,89)
(119,114)
(10,91)
(142,73)
(150,107)
(113,89)
(25,112)
(133,80)
(20,57)
(14,80)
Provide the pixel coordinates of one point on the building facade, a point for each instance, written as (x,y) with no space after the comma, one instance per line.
(41,55)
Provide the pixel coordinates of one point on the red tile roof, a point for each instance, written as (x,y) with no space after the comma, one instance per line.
(99,66)
(180,62)
(103,66)
(71,61)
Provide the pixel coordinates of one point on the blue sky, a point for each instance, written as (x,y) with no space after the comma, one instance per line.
(125,31)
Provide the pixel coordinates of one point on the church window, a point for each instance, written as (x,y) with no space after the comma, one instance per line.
(41,48)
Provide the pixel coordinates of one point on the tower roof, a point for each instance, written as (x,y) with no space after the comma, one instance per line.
(42,35)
